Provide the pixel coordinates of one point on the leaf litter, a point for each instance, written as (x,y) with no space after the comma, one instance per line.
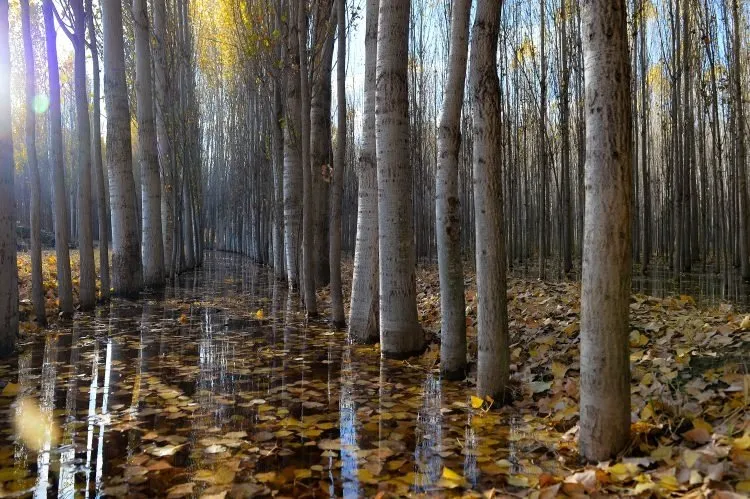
(220,388)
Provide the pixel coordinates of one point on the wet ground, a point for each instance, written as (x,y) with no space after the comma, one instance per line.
(219,387)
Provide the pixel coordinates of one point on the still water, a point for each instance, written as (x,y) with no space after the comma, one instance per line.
(219,388)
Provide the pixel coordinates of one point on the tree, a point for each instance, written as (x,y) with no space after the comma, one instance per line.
(152,241)
(363,313)
(605,292)
(447,216)
(64,280)
(337,298)
(87,278)
(739,117)
(400,332)
(37,287)
(308,244)
(96,160)
(126,255)
(292,159)
(493,367)
(163,136)
(8,268)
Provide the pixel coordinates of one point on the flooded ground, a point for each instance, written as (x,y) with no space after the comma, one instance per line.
(220,389)
(178,398)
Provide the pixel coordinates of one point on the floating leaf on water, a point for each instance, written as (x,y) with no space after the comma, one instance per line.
(10,390)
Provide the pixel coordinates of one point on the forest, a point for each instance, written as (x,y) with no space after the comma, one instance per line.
(374,248)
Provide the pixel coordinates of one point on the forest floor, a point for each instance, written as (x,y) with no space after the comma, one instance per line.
(221,388)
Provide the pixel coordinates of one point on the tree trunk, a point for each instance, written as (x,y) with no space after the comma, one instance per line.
(292,159)
(567,207)
(8,264)
(164,138)
(448,209)
(152,241)
(96,160)
(544,177)
(337,185)
(605,293)
(64,280)
(645,175)
(363,314)
(308,234)
(321,58)
(87,278)
(37,286)
(493,356)
(744,200)
(126,256)
(400,332)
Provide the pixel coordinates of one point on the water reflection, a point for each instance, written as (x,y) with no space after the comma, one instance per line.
(348,426)
(429,436)
(196,387)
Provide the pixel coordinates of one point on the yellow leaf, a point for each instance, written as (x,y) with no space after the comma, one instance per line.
(10,390)
(518,481)
(701,423)
(745,324)
(559,370)
(743,486)
(476,402)
(259,314)
(266,477)
(742,443)
(647,412)
(690,457)
(451,475)
(662,453)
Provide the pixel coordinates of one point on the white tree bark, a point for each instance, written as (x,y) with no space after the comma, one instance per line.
(400,332)
(292,161)
(605,288)
(448,211)
(126,255)
(152,241)
(64,280)
(492,314)
(337,186)
(85,219)
(8,264)
(308,235)
(37,287)
(363,314)
(164,139)
(96,160)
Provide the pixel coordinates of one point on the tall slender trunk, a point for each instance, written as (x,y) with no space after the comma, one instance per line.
(645,174)
(126,255)
(605,293)
(363,315)
(567,209)
(96,159)
(308,234)
(337,185)
(164,116)
(448,209)
(493,356)
(87,278)
(8,264)
(292,158)
(400,332)
(544,177)
(37,287)
(64,280)
(744,200)
(152,240)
